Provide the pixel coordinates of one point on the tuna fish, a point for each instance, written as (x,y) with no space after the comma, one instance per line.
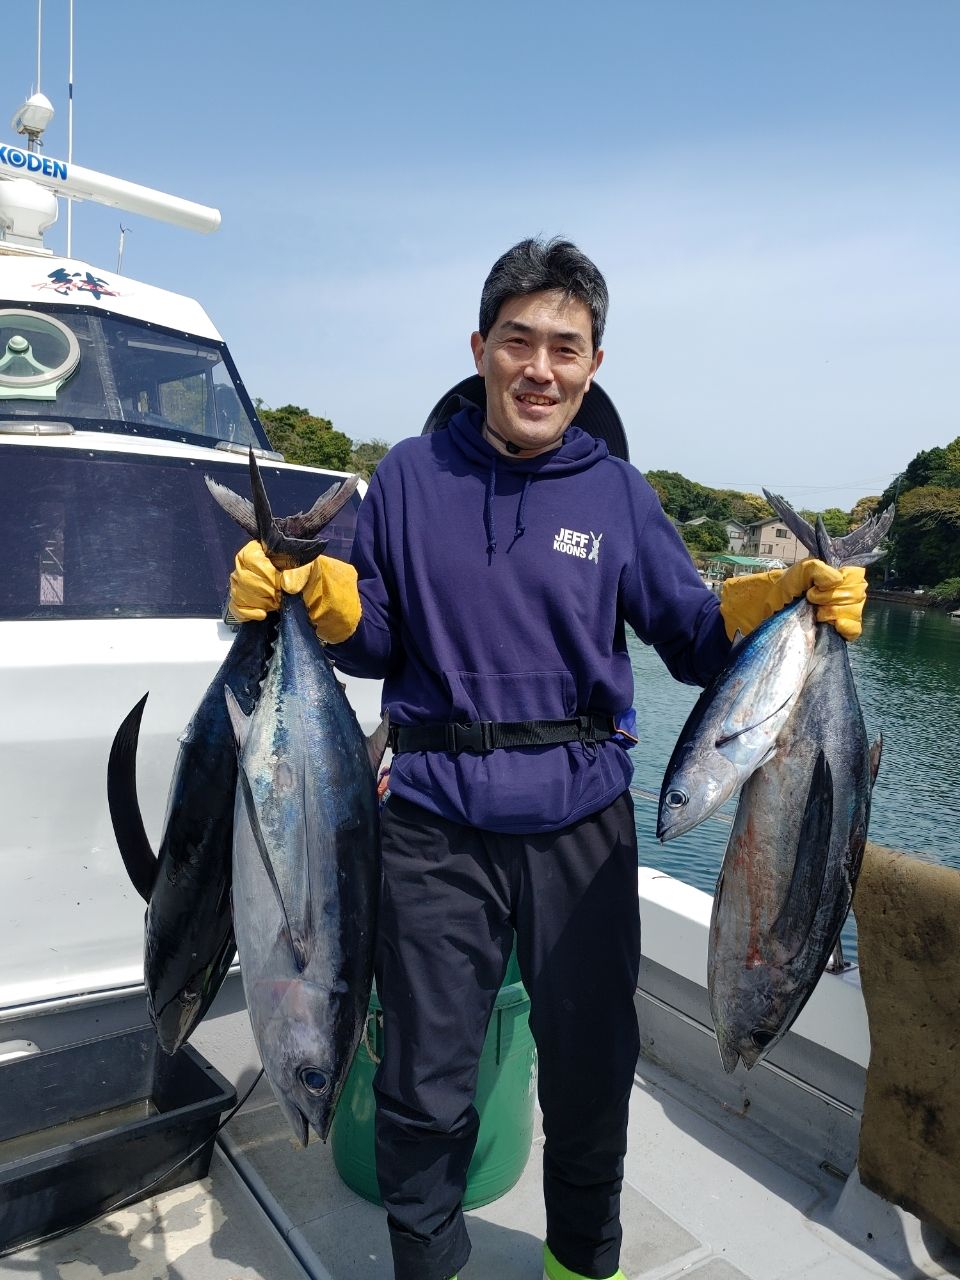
(734,725)
(306,863)
(188,930)
(797,842)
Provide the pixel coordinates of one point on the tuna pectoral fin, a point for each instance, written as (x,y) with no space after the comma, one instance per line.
(296,947)
(239,721)
(740,730)
(138,858)
(792,926)
(377,742)
(875,753)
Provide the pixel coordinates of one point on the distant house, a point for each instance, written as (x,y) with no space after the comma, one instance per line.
(771,540)
(736,532)
(736,536)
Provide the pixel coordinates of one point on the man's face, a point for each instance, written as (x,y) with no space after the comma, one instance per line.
(537,362)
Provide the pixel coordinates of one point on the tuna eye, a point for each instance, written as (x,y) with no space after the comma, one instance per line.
(762,1036)
(675,799)
(314,1081)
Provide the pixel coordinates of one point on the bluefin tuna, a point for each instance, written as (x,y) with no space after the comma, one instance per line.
(188,930)
(797,842)
(306,863)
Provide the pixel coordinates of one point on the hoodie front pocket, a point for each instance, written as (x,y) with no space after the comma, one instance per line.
(521,695)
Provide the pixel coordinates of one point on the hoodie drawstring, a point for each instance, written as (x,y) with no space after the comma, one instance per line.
(488,521)
(488,508)
(523,497)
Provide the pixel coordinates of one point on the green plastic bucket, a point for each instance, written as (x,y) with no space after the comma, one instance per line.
(506,1091)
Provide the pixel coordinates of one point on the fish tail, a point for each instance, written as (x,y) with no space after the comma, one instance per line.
(857,547)
(138,857)
(288,541)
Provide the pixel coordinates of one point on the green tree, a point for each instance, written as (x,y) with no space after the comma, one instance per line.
(366,454)
(305,439)
(701,539)
(864,509)
(836,522)
(747,507)
(947,592)
(685,499)
(925,537)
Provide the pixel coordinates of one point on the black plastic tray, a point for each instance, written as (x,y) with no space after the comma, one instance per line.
(90,1124)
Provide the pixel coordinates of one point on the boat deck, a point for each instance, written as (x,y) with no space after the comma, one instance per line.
(707,1196)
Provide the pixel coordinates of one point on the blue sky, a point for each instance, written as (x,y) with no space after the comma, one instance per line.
(772,190)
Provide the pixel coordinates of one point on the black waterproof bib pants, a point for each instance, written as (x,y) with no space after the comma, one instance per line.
(452,899)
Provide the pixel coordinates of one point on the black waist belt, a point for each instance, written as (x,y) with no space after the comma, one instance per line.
(487,735)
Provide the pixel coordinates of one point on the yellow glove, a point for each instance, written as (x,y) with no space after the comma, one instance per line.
(837,593)
(328,586)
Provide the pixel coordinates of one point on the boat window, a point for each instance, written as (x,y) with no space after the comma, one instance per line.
(37,355)
(117,535)
(103,372)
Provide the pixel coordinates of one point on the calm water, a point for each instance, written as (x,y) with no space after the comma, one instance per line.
(907,669)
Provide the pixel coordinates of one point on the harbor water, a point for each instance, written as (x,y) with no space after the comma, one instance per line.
(907,668)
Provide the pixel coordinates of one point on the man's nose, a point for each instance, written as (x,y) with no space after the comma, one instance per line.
(538,367)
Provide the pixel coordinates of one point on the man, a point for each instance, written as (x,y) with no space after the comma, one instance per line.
(498,562)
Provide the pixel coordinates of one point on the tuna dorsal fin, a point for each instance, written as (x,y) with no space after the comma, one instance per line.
(240,722)
(875,753)
(138,857)
(377,742)
(792,926)
(296,949)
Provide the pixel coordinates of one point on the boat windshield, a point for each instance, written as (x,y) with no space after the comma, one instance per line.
(102,373)
(94,534)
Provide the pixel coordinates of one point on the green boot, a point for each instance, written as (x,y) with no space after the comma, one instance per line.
(554,1270)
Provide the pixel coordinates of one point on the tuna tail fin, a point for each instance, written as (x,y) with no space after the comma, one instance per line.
(858,547)
(289,541)
(801,530)
(795,919)
(292,541)
(377,743)
(138,857)
(237,508)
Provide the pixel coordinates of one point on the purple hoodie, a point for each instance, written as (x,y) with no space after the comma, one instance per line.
(497,589)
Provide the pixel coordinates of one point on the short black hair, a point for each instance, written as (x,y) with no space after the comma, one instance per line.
(533,266)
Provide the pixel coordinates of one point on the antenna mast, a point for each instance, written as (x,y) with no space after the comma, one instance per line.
(39,38)
(123,236)
(69,134)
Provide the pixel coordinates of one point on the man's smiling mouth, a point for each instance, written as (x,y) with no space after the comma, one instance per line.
(526,397)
